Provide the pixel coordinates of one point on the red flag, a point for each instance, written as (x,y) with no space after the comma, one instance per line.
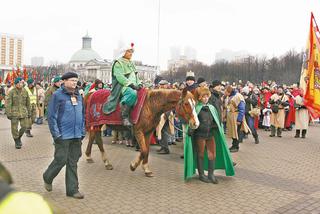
(8,78)
(18,72)
(25,74)
(14,75)
(34,74)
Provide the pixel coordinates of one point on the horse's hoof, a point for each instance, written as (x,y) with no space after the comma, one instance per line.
(149,174)
(132,168)
(109,167)
(90,160)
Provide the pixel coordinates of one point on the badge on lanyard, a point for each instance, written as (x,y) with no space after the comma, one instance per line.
(74,100)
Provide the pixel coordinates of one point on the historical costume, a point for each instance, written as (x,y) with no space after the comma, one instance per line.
(206,147)
(40,103)
(278,102)
(302,117)
(125,83)
(235,118)
(251,102)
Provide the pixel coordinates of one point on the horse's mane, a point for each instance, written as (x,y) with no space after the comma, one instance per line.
(157,96)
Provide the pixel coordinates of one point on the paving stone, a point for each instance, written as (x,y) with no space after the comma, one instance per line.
(276,176)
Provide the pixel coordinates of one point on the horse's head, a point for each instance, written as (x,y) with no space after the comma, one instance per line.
(186,109)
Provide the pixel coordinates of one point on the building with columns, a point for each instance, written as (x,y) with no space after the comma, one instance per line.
(90,66)
(84,55)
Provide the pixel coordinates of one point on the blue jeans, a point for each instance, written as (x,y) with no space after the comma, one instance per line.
(250,122)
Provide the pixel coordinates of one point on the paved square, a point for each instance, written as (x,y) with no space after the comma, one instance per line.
(279,175)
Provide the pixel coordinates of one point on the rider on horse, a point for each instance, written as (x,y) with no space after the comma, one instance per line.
(125,83)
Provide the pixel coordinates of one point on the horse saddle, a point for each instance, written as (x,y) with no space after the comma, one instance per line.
(94,109)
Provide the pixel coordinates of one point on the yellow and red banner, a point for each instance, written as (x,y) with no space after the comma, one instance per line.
(310,72)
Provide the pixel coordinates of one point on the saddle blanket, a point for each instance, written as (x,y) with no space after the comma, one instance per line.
(95,115)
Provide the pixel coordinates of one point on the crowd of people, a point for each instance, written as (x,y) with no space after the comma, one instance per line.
(235,109)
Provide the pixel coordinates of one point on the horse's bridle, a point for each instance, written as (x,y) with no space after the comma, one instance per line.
(181,106)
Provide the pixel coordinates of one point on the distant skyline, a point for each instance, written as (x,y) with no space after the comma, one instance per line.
(53,29)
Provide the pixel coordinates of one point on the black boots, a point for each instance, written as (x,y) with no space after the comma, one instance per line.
(211,177)
(18,143)
(256,139)
(202,177)
(279,132)
(304,132)
(273,131)
(125,114)
(235,145)
(28,133)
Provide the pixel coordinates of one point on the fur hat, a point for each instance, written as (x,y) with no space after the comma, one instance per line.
(124,49)
(201,91)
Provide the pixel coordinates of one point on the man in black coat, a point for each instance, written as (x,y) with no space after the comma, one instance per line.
(216,96)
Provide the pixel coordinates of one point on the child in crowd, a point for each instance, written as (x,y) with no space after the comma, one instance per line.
(266,117)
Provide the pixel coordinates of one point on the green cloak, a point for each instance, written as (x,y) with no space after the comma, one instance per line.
(123,74)
(223,157)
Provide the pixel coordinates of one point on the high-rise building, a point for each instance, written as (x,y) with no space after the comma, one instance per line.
(11,50)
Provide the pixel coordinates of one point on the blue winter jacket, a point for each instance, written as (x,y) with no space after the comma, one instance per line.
(66,121)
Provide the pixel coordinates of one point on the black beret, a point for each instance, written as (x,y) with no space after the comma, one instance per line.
(69,75)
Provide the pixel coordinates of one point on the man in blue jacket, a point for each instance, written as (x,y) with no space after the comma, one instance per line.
(67,126)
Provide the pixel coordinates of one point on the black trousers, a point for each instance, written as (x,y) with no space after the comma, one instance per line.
(66,153)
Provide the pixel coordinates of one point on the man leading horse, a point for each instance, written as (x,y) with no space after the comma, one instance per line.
(125,84)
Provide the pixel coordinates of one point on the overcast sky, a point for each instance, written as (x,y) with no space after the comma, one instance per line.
(53,29)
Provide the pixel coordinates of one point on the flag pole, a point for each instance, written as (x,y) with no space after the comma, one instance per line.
(158,42)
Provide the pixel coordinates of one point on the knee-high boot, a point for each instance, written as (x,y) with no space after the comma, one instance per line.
(279,132)
(211,167)
(201,171)
(125,114)
(273,131)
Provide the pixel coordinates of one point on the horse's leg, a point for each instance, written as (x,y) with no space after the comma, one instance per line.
(99,141)
(89,147)
(145,165)
(140,140)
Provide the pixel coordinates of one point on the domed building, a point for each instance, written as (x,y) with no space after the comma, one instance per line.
(84,55)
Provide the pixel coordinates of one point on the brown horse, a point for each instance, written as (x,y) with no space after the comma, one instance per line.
(95,135)
(156,103)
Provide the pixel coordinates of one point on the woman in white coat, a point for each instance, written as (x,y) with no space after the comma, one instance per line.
(302,116)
